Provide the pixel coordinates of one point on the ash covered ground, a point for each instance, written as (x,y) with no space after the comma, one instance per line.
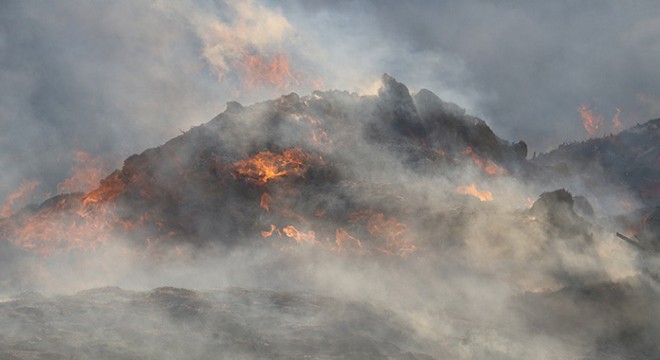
(339,226)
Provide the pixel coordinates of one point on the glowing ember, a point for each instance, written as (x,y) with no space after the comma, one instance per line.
(86,174)
(488,166)
(300,237)
(267,166)
(110,188)
(24,192)
(591,122)
(472,190)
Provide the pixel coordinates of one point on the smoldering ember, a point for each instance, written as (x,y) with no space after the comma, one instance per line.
(339,226)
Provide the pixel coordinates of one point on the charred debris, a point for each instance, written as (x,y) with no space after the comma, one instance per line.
(400,179)
(325,168)
(323,159)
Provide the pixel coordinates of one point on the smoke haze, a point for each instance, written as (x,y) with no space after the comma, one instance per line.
(385,225)
(112,79)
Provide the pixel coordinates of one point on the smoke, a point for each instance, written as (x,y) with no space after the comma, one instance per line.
(525,68)
(114,79)
(387,204)
(395,236)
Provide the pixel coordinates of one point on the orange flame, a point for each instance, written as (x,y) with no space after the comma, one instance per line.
(111,187)
(258,70)
(72,222)
(343,238)
(25,191)
(266,166)
(269,233)
(472,190)
(393,233)
(65,226)
(265,201)
(389,236)
(300,237)
(319,134)
(249,47)
(86,174)
(486,165)
(591,122)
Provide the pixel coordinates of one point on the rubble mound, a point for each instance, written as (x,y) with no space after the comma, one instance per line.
(290,162)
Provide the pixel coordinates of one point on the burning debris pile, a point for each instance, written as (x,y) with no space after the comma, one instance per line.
(297,171)
(400,202)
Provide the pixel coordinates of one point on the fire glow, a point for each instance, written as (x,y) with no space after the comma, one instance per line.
(248,52)
(66,226)
(488,166)
(86,173)
(382,235)
(110,188)
(592,122)
(266,166)
(258,70)
(473,191)
(25,191)
(75,220)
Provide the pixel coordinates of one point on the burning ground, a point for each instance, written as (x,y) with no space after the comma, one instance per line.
(389,226)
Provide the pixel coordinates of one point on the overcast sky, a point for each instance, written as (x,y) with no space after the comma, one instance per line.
(112,78)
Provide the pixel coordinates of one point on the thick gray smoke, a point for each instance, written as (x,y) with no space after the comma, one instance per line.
(526,67)
(393,260)
(112,79)
(415,236)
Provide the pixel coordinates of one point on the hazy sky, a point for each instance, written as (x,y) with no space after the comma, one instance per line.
(114,78)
